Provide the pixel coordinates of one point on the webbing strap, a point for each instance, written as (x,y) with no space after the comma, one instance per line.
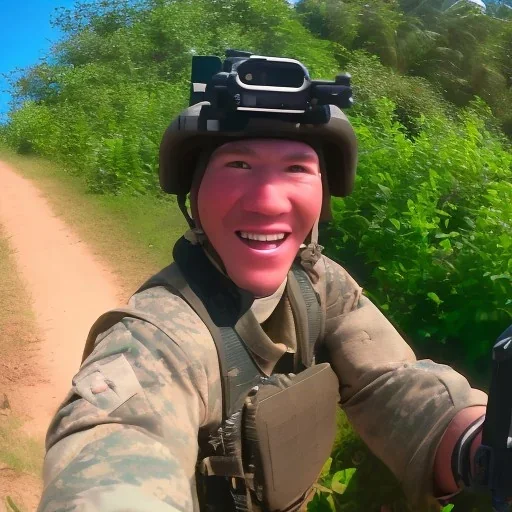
(224,304)
(222,466)
(240,373)
(315,315)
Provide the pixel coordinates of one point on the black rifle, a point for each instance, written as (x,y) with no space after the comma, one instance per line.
(493,459)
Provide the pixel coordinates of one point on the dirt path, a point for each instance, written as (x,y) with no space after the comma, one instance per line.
(69,288)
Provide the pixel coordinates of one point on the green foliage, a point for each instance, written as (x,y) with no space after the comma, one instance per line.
(329,484)
(353,479)
(370,25)
(350,473)
(18,451)
(430,219)
(461,50)
(412,96)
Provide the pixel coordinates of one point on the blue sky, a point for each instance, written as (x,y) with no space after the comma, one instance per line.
(26,36)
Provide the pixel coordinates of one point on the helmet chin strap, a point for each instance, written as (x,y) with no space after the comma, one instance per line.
(182,203)
(314,232)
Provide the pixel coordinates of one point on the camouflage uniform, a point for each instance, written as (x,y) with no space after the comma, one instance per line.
(126,437)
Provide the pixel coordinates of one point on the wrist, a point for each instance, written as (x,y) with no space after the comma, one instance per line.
(462,462)
(477,441)
(444,478)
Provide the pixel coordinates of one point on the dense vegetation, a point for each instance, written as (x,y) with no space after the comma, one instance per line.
(428,228)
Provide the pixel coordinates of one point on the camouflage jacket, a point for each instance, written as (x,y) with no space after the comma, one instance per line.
(126,437)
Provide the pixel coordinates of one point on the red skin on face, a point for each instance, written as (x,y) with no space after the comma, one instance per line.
(264,186)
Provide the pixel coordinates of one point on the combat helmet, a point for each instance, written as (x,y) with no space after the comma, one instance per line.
(251,96)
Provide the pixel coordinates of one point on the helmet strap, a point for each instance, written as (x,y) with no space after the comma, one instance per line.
(182,203)
(314,232)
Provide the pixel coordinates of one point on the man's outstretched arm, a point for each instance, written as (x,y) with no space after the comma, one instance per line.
(126,437)
(401,407)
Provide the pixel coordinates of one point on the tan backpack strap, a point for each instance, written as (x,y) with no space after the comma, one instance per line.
(310,318)
(108,320)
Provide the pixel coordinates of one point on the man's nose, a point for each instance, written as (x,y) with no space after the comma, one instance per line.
(267,199)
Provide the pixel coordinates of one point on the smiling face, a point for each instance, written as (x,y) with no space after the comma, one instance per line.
(257,202)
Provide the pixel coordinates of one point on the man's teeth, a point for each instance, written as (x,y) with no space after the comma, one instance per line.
(262,238)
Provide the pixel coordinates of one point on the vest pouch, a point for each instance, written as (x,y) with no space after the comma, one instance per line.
(289,429)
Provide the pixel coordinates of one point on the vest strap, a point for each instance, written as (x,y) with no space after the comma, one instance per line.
(221,466)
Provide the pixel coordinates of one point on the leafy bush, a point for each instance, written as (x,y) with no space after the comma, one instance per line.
(428,233)
(412,97)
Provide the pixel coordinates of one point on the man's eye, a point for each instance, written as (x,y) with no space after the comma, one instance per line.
(240,164)
(297,168)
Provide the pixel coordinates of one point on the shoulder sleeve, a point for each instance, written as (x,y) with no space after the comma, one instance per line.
(126,436)
(398,405)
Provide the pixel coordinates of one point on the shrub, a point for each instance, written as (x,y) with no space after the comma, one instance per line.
(427,232)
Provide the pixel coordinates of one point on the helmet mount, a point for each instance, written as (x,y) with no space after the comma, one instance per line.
(247,86)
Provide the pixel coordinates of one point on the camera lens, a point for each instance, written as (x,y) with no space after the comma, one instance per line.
(269,73)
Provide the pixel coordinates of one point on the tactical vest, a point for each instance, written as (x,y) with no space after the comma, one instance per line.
(276,431)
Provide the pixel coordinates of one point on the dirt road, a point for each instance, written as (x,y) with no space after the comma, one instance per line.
(69,288)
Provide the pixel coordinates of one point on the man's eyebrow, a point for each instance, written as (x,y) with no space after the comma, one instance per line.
(236,150)
(294,157)
(290,157)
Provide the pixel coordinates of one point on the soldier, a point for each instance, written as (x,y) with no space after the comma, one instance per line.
(216,388)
